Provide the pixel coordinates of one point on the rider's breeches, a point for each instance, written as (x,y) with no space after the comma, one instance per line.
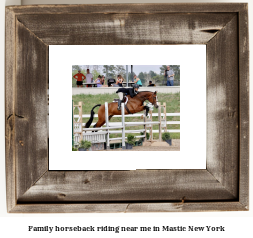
(121,95)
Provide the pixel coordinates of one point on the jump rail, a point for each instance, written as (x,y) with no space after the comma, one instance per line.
(133,115)
(114,127)
(107,128)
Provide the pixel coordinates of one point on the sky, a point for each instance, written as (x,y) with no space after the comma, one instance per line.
(145,68)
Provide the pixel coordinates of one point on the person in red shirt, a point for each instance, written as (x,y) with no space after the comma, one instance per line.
(79,78)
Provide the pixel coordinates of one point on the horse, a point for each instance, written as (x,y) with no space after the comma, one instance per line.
(134,105)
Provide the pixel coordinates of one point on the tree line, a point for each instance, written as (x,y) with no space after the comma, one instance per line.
(111,71)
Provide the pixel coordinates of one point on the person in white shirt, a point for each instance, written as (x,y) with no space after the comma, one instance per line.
(89,78)
(169,74)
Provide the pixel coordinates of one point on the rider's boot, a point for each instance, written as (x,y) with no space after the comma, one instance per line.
(119,105)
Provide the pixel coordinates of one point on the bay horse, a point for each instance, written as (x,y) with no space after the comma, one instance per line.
(134,105)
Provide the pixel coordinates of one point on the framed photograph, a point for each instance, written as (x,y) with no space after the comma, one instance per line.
(154,128)
(47,45)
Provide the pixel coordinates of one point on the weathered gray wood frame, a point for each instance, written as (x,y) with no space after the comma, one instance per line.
(223,186)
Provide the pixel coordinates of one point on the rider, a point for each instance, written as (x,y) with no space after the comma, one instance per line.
(130,91)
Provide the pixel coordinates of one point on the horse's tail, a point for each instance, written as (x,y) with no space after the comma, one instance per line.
(88,123)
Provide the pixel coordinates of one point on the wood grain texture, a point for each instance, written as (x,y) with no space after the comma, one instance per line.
(140,185)
(125,29)
(30,108)
(9,108)
(156,8)
(186,207)
(223,186)
(129,207)
(222,107)
(244,106)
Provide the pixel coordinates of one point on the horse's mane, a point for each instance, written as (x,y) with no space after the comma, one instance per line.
(142,95)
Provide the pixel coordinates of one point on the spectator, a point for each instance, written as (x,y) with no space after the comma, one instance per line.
(89,78)
(137,81)
(169,73)
(79,78)
(98,81)
(103,80)
(151,84)
(119,81)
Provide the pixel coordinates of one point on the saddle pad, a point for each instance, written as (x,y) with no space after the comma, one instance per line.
(124,99)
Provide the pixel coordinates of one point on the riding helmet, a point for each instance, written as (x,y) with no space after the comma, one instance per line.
(136,86)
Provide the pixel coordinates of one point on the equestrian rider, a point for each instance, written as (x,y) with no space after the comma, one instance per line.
(130,91)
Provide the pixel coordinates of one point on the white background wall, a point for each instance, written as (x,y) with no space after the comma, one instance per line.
(237,223)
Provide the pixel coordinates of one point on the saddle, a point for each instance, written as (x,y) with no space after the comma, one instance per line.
(125,101)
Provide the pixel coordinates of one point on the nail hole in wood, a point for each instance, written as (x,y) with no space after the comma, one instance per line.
(61,195)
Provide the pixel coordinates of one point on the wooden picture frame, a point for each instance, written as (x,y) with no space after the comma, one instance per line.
(222,186)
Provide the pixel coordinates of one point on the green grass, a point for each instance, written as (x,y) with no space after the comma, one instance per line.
(172,106)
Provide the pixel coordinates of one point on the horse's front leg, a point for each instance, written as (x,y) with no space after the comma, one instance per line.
(142,108)
(147,110)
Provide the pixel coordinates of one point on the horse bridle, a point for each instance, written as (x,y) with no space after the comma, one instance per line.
(154,98)
(146,98)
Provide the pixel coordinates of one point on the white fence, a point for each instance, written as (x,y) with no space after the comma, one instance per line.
(116,124)
(101,137)
(102,134)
